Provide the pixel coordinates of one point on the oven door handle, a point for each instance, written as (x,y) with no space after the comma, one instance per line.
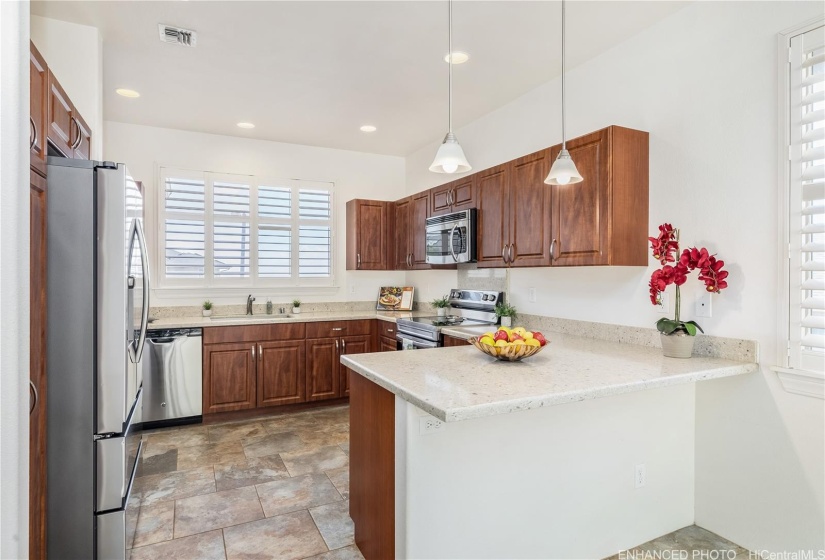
(450,243)
(415,342)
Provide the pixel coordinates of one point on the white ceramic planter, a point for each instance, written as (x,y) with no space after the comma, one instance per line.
(442,311)
(677,345)
(206,312)
(296,310)
(506,321)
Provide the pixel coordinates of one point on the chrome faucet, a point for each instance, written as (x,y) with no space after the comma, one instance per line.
(249,300)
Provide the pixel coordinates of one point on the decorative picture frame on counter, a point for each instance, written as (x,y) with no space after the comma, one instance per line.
(395,298)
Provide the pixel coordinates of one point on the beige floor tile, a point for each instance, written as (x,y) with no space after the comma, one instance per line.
(326,435)
(285,537)
(213,511)
(227,452)
(332,414)
(236,432)
(175,485)
(206,546)
(347,553)
(256,471)
(340,478)
(178,437)
(155,524)
(315,460)
(272,444)
(345,447)
(290,423)
(693,540)
(334,523)
(300,492)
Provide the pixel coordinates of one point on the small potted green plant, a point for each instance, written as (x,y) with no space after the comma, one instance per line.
(296,306)
(506,313)
(207,308)
(441,304)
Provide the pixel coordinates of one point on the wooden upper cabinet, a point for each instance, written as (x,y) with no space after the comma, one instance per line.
(229,380)
(492,194)
(419,212)
(529,210)
(400,235)
(367,235)
(603,219)
(281,373)
(452,197)
(38,113)
(82,140)
(60,115)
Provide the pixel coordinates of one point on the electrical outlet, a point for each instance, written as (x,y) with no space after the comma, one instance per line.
(664,303)
(428,425)
(531,295)
(640,476)
(703,305)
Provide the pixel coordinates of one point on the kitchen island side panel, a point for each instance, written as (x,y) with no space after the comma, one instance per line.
(553,482)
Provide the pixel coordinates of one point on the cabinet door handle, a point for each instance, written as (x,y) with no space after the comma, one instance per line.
(253,352)
(32,134)
(76,143)
(343,346)
(336,344)
(553,251)
(33,391)
(504,253)
(358,260)
(260,352)
(511,253)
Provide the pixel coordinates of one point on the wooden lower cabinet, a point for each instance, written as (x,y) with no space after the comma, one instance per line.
(386,344)
(372,468)
(322,378)
(351,345)
(229,377)
(281,373)
(454,341)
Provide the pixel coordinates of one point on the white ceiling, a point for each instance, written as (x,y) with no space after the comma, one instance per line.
(314,72)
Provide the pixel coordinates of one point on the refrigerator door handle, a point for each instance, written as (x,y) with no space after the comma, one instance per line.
(136,349)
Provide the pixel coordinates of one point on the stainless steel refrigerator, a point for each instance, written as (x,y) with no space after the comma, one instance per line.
(98,306)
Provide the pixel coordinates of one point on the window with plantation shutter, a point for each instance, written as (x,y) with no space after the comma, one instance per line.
(242,231)
(806,201)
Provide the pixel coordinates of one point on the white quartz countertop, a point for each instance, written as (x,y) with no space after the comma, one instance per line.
(460,383)
(310,317)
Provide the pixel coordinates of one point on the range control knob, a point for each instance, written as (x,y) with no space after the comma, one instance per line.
(492,298)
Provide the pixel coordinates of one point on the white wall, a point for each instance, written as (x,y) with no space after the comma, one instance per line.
(75,54)
(356,175)
(14,279)
(703,82)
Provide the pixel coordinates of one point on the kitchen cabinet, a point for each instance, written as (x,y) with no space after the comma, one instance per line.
(603,220)
(82,140)
(66,130)
(38,94)
(281,373)
(326,378)
(368,235)
(386,344)
(229,377)
(454,341)
(351,345)
(385,336)
(454,196)
(493,206)
(409,232)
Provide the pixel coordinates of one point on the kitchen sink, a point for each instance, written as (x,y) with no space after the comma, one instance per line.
(252,317)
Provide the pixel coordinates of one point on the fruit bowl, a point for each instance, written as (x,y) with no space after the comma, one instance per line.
(510,353)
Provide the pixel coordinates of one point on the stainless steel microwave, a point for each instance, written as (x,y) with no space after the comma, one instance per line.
(451,238)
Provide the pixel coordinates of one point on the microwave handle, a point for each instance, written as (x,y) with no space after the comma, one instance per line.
(450,243)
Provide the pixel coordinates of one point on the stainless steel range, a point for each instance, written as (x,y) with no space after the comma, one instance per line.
(467,308)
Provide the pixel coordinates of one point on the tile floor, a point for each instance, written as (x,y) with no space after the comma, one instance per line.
(276,488)
(697,542)
(267,488)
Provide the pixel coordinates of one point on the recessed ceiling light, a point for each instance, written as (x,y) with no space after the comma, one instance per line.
(245,125)
(127,92)
(368,128)
(458,57)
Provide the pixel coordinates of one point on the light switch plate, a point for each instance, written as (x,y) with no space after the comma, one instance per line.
(703,305)
(531,295)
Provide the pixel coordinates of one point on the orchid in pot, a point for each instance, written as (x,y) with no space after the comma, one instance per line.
(678,336)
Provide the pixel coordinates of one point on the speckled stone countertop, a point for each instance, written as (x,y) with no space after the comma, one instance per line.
(308,317)
(460,383)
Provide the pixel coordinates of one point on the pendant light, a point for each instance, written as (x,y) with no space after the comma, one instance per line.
(450,157)
(563,171)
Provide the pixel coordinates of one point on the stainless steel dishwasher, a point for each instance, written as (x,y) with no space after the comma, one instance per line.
(172,377)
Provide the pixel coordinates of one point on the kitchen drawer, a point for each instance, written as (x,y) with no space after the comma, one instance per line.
(254,333)
(327,329)
(386,328)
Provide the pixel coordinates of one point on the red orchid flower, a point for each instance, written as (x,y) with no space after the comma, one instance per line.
(713,276)
(665,245)
(694,258)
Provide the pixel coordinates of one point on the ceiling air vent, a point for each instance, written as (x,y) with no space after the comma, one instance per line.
(177,35)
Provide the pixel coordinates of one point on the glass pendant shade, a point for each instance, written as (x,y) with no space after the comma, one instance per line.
(450,157)
(563,171)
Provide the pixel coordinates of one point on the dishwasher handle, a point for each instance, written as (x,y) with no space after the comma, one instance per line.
(162,340)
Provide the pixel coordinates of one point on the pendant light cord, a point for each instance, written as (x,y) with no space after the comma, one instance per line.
(563,134)
(450,60)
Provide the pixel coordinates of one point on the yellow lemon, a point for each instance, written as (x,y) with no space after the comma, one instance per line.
(520,330)
(485,335)
(501,343)
(519,343)
(488,340)
(527,335)
(532,342)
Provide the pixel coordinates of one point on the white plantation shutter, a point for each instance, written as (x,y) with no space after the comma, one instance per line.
(807,201)
(252,232)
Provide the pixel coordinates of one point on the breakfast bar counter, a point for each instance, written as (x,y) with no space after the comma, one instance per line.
(581,451)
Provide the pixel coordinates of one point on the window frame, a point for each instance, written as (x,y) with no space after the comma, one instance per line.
(210,283)
(793,377)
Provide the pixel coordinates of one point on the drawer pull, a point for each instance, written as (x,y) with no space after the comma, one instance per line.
(338,328)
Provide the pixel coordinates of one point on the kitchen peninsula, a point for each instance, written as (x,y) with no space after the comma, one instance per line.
(581,451)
